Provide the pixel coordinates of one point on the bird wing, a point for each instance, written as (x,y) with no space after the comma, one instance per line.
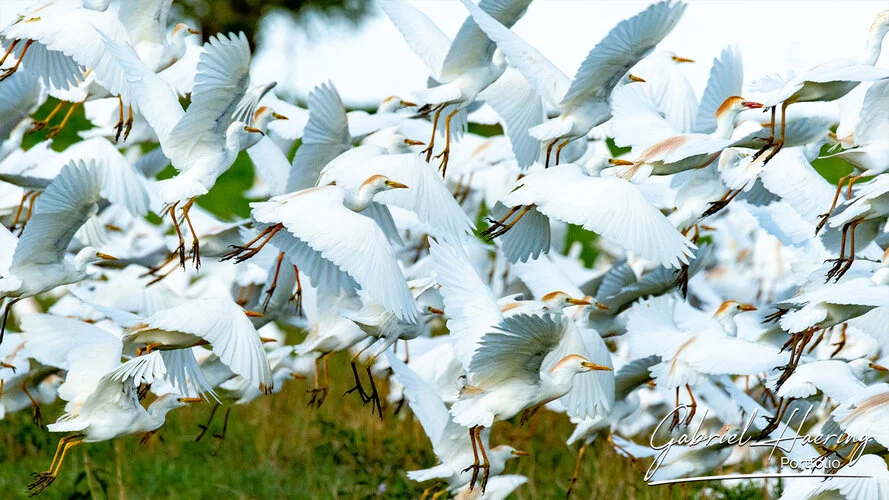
(8,242)
(20,95)
(180,75)
(632,375)
(652,328)
(795,180)
(834,71)
(423,400)
(726,80)
(515,349)
(544,76)
(426,195)
(471,309)
(527,239)
(873,125)
(231,335)
(145,20)
(220,84)
(624,46)
(423,37)
(185,374)
(119,386)
(122,184)
(149,94)
(271,165)
(325,137)
(714,353)
(542,276)
(471,47)
(87,352)
(351,241)
(636,120)
(590,396)
(65,205)
(610,206)
(519,108)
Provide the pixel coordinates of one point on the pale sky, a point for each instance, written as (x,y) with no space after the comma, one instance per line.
(374,62)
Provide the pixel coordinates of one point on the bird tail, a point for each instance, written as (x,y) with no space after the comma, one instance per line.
(181,187)
(469,414)
(438,472)
(551,129)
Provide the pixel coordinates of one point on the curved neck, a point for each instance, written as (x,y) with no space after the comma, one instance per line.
(725,125)
(361,199)
(874,45)
(728,325)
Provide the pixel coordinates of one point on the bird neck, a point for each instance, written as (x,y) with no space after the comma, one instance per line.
(874,44)
(157,411)
(728,324)
(82,259)
(725,124)
(361,198)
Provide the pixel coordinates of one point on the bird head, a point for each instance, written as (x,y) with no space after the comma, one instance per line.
(88,255)
(734,105)
(182,30)
(379,183)
(558,300)
(731,308)
(575,363)
(265,115)
(240,135)
(394,103)
(881,23)
(861,366)
(505,452)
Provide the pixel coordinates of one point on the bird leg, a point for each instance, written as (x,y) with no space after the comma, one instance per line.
(129,123)
(18,211)
(320,392)
(246,251)
(298,294)
(428,149)
(621,448)
(500,229)
(576,474)
(46,478)
(466,190)
(694,406)
(797,342)
(770,139)
(559,149)
(41,124)
(499,223)
(675,421)
(147,436)
(780,144)
(6,73)
(195,243)
(843,264)
(37,418)
(58,128)
(9,51)
(30,211)
(171,210)
(837,262)
(716,206)
(774,420)
(374,395)
(476,465)
(118,128)
(681,280)
(271,290)
(440,494)
(446,152)
(527,414)
(9,304)
(836,198)
(205,427)
(486,465)
(842,343)
(221,436)
(358,387)
(549,150)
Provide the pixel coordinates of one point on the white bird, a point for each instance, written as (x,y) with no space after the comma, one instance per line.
(506,371)
(460,70)
(38,261)
(583,103)
(611,207)
(449,441)
(860,219)
(828,81)
(326,236)
(146,23)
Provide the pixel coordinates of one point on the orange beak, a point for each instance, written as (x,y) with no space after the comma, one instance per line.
(593,366)
(254,130)
(578,302)
(105,256)
(747,307)
(189,400)
(252,314)
(877,367)
(682,59)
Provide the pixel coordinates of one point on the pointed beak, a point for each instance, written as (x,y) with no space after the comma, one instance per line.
(276,116)
(618,162)
(879,368)
(411,142)
(751,104)
(747,307)
(189,400)
(395,185)
(252,314)
(193,31)
(578,302)
(593,366)
(267,340)
(408,104)
(636,79)
(682,59)
(105,256)
(519,453)
(602,307)
(434,310)
(254,130)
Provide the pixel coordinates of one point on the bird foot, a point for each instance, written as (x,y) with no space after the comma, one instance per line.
(318,395)
(6,73)
(41,482)
(715,207)
(37,126)
(196,254)
(839,268)
(822,220)
(38,418)
(444,155)
(53,131)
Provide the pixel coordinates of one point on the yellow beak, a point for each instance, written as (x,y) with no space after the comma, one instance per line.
(105,256)
(520,453)
(252,314)
(189,400)
(877,367)
(593,366)
(194,31)
(578,302)
(747,307)
(634,78)
(254,130)
(435,310)
(395,185)
(619,162)
(682,59)
(279,117)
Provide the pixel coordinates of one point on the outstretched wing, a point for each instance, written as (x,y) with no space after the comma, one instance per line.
(624,46)
(516,349)
(325,137)
(610,206)
(726,80)
(65,205)
(421,34)
(471,46)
